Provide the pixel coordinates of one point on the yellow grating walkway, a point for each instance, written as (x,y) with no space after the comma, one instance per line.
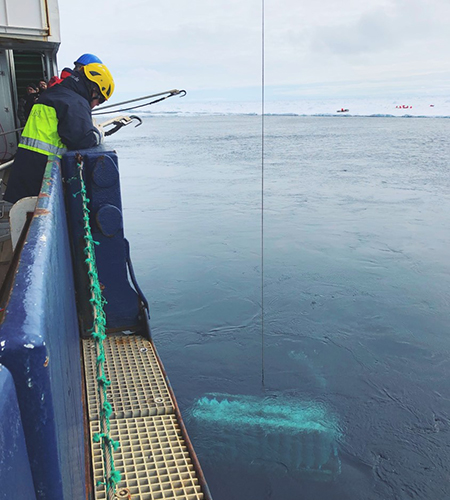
(138,388)
(153,457)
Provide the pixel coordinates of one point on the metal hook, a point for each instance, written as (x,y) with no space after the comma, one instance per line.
(178,92)
(134,117)
(119,122)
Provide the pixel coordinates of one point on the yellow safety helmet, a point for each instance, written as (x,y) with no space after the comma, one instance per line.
(99,74)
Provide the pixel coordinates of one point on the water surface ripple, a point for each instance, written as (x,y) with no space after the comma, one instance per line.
(356,290)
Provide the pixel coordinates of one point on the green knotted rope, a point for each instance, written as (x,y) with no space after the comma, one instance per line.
(98,332)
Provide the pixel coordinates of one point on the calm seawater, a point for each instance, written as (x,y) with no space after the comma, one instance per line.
(356,293)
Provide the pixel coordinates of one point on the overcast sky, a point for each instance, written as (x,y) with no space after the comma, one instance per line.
(313,48)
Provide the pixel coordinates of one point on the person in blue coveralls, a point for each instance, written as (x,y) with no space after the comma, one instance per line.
(78,64)
(61,120)
(86,59)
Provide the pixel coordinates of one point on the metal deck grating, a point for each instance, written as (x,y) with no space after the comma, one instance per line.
(138,387)
(153,460)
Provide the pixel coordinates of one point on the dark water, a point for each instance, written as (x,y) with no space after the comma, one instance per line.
(356,291)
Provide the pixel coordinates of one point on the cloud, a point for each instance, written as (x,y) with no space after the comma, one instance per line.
(374,31)
(378,30)
(218,45)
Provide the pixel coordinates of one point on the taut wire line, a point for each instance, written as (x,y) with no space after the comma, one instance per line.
(262,183)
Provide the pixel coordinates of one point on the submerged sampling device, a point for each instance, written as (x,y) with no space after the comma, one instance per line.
(300,435)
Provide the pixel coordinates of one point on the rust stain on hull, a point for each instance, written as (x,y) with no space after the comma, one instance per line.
(41,211)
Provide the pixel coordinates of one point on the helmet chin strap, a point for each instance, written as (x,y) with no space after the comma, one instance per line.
(95,93)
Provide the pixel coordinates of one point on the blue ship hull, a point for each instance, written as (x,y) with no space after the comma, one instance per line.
(47,312)
(40,346)
(48,447)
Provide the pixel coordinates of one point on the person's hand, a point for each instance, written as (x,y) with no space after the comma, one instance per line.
(99,132)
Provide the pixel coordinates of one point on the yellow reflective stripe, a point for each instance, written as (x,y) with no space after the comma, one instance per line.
(42,151)
(41,131)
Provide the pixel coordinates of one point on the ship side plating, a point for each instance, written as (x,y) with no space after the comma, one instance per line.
(40,347)
(48,407)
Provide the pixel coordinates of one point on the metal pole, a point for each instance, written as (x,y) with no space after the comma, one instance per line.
(6,165)
(173,92)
